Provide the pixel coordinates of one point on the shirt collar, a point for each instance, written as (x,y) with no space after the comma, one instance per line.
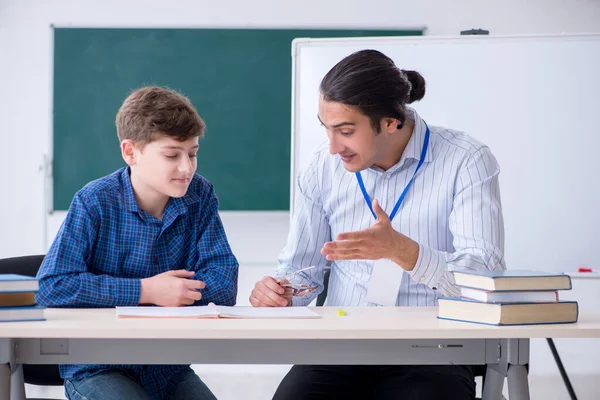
(129,202)
(415,143)
(191,196)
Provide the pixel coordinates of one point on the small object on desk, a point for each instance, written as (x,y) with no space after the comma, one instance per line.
(341,313)
(583,269)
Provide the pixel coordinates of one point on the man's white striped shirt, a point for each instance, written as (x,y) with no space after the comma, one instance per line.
(452,209)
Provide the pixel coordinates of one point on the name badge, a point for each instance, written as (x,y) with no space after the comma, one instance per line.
(384,284)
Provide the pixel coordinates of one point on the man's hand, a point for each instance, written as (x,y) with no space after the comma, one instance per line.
(268,292)
(171,289)
(380,240)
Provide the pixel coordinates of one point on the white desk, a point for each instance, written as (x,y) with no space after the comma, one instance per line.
(364,336)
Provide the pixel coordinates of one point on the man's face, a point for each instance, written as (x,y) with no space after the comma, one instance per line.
(351,135)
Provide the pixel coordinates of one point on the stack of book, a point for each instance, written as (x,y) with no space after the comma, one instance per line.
(17,299)
(510,298)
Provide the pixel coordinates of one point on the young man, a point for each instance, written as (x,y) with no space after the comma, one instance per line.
(149,233)
(406,203)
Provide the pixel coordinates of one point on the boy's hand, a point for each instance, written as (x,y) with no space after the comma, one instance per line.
(171,289)
(268,293)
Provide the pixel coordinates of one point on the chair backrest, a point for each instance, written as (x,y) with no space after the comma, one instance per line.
(323,295)
(25,265)
(47,375)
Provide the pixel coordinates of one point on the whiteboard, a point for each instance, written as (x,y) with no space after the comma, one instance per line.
(533,100)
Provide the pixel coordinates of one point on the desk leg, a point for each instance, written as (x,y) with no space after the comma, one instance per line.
(17,384)
(518,384)
(5,382)
(493,385)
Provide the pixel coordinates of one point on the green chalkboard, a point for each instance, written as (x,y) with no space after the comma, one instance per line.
(238,79)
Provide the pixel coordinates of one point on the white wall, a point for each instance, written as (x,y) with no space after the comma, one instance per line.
(26,73)
(26,80)
(26,76)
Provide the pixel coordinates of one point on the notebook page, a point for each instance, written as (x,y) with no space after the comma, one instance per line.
(266,312)
(168,312)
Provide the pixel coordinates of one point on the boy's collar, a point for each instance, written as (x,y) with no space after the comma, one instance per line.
(129,202)
(191,196)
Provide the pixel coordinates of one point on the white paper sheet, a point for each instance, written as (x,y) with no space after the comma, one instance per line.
(212,311)
(384,284)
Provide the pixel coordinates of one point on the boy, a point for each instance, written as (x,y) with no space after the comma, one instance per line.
(149,233)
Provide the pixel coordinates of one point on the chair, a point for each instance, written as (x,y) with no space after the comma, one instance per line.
(478,370)
(43,375)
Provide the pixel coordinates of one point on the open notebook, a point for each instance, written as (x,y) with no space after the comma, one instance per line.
(213,311)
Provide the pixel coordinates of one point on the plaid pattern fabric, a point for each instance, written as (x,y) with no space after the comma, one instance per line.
(107,244)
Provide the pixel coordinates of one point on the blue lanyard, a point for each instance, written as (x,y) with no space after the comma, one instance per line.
(399,202)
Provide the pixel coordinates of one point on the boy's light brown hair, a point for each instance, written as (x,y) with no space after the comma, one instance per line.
(151,112)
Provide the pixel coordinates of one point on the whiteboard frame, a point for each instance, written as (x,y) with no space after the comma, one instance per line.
(564,227)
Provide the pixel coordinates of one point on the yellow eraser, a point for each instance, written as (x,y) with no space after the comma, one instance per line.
(341,313)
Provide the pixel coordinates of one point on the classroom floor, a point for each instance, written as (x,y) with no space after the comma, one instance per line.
(259,383)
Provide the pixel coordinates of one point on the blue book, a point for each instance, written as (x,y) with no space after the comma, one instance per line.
(18,283)
(511,280)
(460,309)
(27,313)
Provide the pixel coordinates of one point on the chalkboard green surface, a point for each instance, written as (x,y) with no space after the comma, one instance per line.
(238,79)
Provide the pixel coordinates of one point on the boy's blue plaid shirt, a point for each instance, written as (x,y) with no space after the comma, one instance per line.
(107,244)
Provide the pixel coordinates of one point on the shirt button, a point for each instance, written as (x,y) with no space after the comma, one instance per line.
(422,279)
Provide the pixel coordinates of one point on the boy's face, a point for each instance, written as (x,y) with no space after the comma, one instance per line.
(352,136)
(164,166)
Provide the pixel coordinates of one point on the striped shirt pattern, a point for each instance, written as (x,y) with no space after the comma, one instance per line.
(452,210)
(107,244)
